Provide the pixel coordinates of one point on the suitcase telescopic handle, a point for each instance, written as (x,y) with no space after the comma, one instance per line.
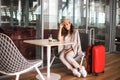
(91,36)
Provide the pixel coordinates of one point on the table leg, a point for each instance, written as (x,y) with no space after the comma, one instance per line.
(48,60)
(49,76)
(42,56)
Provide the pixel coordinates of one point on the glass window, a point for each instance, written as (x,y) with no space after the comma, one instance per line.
(118,13)
(71,9)
(21,12)
(97,13)
(117,36)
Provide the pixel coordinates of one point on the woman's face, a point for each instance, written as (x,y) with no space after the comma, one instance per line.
(67,25)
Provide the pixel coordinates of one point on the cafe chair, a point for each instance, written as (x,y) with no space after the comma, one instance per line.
(12,62)
(54,51)
(56,55)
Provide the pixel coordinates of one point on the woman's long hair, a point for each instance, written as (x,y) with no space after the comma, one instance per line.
(65,31)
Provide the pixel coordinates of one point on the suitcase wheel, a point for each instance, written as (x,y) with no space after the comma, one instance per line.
(89,72)
(103,72)
(96,74)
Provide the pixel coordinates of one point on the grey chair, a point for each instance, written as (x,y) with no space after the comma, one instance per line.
(11,60)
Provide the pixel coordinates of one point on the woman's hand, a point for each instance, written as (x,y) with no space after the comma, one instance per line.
(60,37)
(61,25)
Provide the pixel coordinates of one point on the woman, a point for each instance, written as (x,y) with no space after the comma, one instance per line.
(68,53)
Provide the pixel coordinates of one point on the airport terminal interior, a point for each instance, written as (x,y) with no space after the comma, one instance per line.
(37,19)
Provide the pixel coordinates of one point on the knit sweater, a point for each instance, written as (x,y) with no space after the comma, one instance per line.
(75,38)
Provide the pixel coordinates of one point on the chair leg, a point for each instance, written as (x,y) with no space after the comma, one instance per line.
(17,77)
(52,60)
(82,60)
(39,73)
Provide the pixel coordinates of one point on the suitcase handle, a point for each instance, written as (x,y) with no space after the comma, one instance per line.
(91,36)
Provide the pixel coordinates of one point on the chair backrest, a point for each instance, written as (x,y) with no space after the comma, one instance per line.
(11,60)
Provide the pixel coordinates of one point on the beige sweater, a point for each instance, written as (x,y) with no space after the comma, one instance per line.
(77,43)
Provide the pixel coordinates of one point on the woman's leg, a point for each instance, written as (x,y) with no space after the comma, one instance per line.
(70,57)
(64,61)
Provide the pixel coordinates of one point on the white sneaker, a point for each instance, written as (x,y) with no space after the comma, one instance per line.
(76,73)
(83,71)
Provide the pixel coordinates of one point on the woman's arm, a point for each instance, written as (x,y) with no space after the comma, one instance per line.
(60,37)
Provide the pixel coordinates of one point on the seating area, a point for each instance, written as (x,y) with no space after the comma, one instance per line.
(12,62)
(18,34)
(111,72)
(59,39)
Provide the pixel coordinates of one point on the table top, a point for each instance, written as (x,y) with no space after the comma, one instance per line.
(45,42)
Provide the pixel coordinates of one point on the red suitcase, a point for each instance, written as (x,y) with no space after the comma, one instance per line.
(95,59)
(89,60)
